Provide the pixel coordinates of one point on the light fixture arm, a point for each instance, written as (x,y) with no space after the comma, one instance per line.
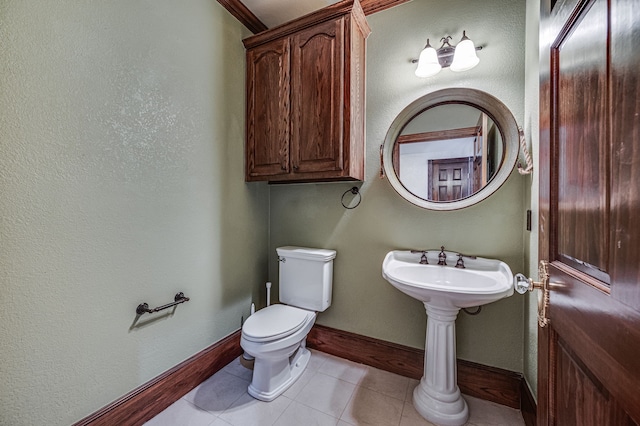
(446,56)
(445,40)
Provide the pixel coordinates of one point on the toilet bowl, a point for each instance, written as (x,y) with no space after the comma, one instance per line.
(275,336)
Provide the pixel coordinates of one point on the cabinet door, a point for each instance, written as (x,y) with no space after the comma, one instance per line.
(317,99)
(268,89)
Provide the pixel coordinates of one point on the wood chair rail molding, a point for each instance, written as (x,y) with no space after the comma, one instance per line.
(255,25)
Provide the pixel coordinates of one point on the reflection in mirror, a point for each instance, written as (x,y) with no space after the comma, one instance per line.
(450,149)
(447,152)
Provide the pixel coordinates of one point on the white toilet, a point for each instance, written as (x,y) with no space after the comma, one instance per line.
(276,335)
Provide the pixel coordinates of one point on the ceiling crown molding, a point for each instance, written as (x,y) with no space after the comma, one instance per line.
(255,25)
(375,6)
(244,15)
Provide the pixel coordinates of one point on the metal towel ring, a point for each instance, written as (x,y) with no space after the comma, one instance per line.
(354,191)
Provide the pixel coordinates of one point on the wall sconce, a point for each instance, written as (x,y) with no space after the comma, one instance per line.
(461,57)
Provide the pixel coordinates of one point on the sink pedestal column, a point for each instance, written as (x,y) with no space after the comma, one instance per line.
(437,398)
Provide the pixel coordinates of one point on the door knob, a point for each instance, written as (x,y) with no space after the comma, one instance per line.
(523,284)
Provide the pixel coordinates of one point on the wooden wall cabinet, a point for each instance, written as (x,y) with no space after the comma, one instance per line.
(305,98)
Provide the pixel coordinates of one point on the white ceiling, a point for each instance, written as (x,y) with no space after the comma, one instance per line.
(276,12)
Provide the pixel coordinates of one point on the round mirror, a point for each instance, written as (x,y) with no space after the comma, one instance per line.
(451,149)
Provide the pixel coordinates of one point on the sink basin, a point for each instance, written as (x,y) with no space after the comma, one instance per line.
(444,290)
(482,281)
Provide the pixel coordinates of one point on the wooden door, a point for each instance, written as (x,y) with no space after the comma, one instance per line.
(268,104)
(317,80)
(589,228)
(449,179)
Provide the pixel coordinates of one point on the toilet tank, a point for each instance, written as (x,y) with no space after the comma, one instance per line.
(306,277)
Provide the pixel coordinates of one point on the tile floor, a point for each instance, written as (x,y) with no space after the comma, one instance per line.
(332,391)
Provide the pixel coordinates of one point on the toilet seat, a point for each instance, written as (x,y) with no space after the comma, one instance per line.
(275,322)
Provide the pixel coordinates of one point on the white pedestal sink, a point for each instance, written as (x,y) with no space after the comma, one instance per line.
(444,290)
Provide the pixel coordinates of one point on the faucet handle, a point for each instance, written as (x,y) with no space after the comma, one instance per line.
(423,258)
(460,262)
(468,256)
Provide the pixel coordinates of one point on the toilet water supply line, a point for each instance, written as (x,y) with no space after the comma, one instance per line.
(253,305)
(245,355)
(268,293)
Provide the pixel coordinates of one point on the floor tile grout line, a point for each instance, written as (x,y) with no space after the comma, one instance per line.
(200,409)
(291,401)
(353,394)
(403,399)
(231,405)
(375,386)
(313,408)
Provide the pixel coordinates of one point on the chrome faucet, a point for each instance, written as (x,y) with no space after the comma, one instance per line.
(423,258)
(442,257)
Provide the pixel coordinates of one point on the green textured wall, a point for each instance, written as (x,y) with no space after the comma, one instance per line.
(311,214)
(121,181)
(532,129)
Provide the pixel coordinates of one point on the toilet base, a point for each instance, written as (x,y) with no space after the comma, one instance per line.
(271,378)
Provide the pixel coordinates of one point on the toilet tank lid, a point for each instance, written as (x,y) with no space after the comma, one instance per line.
(306,253)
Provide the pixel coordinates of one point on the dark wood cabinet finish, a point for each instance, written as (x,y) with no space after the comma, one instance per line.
(316,100)
(305,98)
(268,129)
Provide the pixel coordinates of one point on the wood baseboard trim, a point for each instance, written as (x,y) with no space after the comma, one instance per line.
(481,381)
(398,359)
(151,398)
(528,405)
(489,383)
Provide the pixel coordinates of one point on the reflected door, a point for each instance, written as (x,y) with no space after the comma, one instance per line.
(449,179)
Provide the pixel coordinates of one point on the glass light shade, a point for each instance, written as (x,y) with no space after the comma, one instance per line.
(428,64)
(465,56)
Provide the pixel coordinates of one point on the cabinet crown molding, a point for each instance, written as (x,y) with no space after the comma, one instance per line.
(330,12)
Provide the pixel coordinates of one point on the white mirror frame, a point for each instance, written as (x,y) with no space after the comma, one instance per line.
(492,106)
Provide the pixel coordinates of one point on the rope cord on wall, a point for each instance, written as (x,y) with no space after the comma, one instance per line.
(523,144)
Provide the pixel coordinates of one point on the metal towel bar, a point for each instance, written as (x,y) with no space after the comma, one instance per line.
(144,307)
